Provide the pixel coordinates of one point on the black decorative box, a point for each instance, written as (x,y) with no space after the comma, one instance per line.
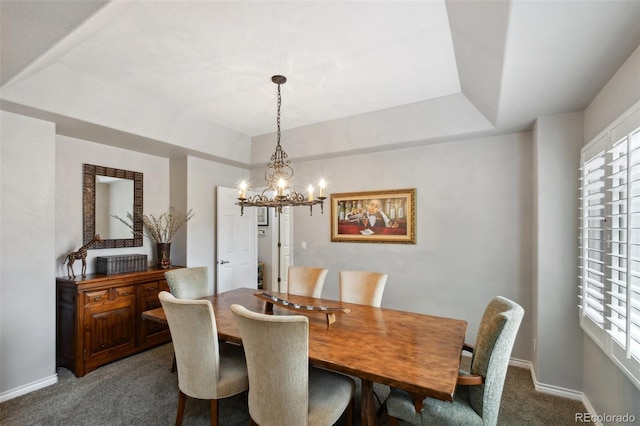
(120,264)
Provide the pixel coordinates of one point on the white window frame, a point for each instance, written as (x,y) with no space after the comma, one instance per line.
(609,242)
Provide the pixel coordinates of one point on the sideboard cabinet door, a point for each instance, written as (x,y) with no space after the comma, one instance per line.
(110,332)
(99,318)
(151,332)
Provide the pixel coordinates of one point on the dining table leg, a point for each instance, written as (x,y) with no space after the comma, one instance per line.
(367,406)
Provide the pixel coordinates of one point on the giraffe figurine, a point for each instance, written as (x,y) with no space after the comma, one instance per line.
(80,254)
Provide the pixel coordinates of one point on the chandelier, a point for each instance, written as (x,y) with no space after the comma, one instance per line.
(279,178)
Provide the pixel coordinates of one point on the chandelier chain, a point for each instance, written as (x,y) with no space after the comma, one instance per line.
(278,117)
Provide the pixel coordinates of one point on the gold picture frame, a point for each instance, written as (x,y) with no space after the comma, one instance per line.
(374,216)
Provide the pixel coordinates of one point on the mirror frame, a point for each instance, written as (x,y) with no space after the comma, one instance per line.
(89,172)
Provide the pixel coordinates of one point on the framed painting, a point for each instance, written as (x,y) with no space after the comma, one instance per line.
(263,216)
(374,217)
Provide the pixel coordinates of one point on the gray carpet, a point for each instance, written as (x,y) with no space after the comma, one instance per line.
(141,390)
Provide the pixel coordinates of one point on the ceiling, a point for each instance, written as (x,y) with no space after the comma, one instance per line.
(513,60)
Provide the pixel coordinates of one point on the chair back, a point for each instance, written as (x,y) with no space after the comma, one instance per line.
(276,349)
(306,281)
(362,287)
(188,283)
(195,343)
(496,335)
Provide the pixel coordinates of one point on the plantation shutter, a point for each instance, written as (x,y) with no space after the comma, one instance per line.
(609,277)
(618,235)
(592,238)
(624,317)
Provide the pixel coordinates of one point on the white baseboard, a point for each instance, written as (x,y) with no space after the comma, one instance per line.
(590,409)
(548,389)
(520,363)
(554,390)
(29,387)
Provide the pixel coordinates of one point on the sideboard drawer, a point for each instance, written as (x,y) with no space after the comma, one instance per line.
(128,291)
(98,296)
(150,287)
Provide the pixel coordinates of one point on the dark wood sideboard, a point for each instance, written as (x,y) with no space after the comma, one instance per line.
(99,318)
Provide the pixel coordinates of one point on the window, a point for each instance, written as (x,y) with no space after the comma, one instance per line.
(609,278)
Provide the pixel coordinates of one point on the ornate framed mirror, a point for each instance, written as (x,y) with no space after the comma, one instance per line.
(106,192)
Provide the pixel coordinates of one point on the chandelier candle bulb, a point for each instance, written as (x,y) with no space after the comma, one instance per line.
(281,185)
(310,193)
(322,184)
(243,190)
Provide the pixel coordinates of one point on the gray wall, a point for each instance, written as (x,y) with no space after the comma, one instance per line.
(474,213)
(557,334)
(41,220)
(604,385)
(71,153)
(27,221)
(202,179)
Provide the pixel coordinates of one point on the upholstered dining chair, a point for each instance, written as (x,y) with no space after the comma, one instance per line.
(478,393)
(306,280)
(283,389)
(362,287)
(207,369)
(188,283)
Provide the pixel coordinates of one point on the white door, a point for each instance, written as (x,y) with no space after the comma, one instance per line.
(236,243)
(283,237)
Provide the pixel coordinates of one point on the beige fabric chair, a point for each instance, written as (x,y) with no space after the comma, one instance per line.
(306,281)
(188,283)
(362,287)
(206,368)
(283,389)
(478,394)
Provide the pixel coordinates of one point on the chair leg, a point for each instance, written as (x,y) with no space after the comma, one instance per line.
(182,399)
(381,414)
(214,412)
(392,421)
(350,412)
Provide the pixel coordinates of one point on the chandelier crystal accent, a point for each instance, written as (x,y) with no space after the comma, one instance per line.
(279,178)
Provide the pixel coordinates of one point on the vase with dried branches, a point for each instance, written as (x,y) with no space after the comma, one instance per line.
(161,229)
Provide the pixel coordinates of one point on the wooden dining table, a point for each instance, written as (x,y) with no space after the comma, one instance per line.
(415,352)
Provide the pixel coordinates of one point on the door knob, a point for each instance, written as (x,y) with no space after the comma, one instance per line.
(222,262)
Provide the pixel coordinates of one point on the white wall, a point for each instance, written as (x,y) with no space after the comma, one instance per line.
(27,270)
(474,213)
(604,385)
(557,337)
